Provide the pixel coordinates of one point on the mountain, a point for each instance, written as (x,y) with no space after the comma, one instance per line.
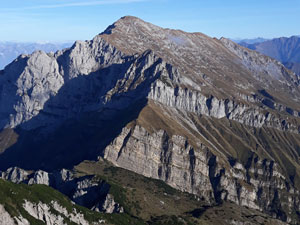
(295,67)
(204,115)
(250,40)
(11,50)
(285,50)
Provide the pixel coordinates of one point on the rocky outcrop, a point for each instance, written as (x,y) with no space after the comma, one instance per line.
(7,219)
(18,175)
(89,192)
(55,214)
(15,174)
(108,205)
(40,177)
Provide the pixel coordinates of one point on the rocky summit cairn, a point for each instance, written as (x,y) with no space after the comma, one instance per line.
(204,115)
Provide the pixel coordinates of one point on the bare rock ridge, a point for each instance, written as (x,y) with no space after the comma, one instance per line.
(206,116)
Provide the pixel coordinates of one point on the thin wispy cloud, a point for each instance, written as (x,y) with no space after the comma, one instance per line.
(76,4)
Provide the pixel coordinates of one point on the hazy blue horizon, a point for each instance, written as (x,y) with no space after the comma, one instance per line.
(70,20)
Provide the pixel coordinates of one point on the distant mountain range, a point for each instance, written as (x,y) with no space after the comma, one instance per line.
(293,66)
(11,50)
(250,41)
(286,50)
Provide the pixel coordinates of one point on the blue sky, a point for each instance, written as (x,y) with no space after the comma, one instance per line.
(66,20)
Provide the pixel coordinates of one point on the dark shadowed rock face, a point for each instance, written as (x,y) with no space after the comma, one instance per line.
(206,116)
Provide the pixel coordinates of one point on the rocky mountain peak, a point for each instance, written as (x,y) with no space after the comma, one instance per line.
(219,69)
(129,24)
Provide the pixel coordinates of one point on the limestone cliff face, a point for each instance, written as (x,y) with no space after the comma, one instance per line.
(217,120)
(259,185)
(167,158)
(243,112)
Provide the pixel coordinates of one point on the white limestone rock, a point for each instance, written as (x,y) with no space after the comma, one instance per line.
(7,219)
(44,212)
(40,177)
(108,205)
(15,174)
